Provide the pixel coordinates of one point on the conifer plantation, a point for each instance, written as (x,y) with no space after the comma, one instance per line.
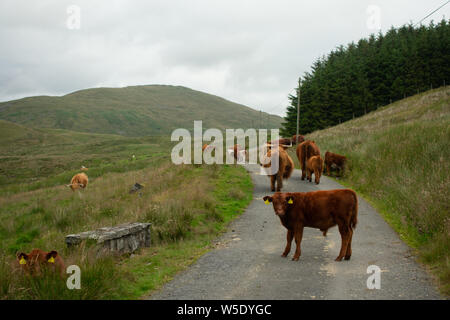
(358,78)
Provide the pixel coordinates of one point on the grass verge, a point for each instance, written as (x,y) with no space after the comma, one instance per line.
(232,192)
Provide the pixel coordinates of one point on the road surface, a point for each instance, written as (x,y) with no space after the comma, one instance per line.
(247,262)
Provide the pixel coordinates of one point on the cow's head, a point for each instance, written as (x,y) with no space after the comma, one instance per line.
(281,202)
(266,155)
(32,262)
(297,138)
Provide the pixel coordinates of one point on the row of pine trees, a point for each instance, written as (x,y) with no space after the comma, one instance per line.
(354,80)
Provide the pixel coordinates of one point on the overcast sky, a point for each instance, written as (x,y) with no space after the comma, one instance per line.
(250,52)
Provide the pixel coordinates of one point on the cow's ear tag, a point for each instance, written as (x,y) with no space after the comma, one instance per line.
(51,260)
(290,201)
(22,261)
(266,201)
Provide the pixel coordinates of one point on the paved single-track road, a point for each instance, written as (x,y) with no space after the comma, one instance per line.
(247,262)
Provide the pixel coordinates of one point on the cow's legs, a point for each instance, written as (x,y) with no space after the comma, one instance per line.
(298,239)
(289,237)
(328,169)
(308,173)
(348,254)
(279,181)
(317,176)
(272,183)
(302,165)
(344,231)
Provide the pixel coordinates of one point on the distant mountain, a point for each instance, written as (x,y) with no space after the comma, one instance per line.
(134,111)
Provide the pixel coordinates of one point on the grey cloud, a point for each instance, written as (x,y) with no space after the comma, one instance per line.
(246,51)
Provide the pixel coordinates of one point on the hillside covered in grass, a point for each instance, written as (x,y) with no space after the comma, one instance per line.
(399,159)
(188,206)
(134,111)
(33,158)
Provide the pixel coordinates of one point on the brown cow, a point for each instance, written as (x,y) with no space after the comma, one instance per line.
(285,167)
(297,138)
(318,209)
(238,152)
(314,164)
(34,262)
(306,150)
(283,142)
(335,159)
(80,180)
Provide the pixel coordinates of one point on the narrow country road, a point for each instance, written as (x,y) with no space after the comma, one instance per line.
(247,262)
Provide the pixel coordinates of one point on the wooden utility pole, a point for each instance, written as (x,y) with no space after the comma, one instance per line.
(298,106)
(260,119)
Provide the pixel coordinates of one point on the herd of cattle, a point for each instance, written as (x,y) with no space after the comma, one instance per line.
(296,210)
(318,209)
(308,154)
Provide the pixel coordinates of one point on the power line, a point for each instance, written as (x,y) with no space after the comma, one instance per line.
(432,13)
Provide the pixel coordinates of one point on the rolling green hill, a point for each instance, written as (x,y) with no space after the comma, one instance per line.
(134,111)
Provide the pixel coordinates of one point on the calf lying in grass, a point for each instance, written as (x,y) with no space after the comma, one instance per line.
(37,260)
(318,209)
(80,180)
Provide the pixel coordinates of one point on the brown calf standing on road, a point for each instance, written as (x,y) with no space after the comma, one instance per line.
(306,150)
(336,159)
(314,165)
(318,209)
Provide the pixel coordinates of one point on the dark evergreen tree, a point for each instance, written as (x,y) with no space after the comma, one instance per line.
(360,77)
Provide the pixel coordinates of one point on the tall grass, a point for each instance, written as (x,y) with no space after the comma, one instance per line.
(399,160)
(99,278)
(182,203)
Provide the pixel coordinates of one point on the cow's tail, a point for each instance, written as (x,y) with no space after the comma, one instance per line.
(308,151)
(289,168)
(354,217)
